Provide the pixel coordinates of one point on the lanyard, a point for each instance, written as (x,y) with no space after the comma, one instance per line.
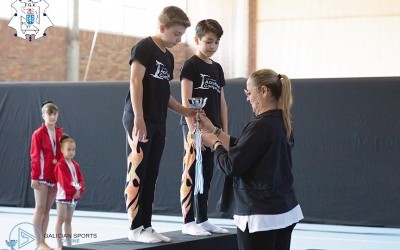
(53,142)
(73,171)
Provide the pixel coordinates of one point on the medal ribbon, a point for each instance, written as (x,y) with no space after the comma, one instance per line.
(53,143)
(73,171)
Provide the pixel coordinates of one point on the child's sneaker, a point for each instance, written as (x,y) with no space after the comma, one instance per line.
(212,228)
(192,228)
(158,235)
(141,235)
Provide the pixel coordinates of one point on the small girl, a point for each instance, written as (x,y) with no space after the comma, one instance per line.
(45,153)
(70,186)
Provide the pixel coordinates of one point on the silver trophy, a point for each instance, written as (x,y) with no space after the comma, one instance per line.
(77,187)
(198,103)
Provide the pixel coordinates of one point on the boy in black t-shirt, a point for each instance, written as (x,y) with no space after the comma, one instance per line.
(144,119)
(201,77)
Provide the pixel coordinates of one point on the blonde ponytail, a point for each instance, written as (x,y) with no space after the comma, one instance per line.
(285,104)
(281,89)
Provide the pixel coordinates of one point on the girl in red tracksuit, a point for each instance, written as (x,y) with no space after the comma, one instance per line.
(70,186)
(45,153)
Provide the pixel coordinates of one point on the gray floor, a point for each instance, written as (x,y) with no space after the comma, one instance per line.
(98,226)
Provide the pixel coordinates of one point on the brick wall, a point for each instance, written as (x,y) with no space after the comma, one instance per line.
(45,59)
(40,60)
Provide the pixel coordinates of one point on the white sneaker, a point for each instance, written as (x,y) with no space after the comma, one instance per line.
(141,235)
(207,226)
(158,235)
(192,228)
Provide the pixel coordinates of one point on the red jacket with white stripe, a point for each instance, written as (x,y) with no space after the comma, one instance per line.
(42,166)
(65,191)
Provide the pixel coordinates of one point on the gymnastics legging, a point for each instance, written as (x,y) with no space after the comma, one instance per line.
(143,162)
(189,201)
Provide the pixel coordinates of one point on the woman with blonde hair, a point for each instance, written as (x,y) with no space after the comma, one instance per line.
(265,206)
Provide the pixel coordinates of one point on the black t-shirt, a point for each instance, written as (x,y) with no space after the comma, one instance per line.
(208,80)
(156,89)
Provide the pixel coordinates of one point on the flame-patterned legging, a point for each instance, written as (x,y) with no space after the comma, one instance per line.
(143,162)
(189,201)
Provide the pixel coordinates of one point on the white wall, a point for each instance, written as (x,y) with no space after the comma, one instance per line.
(335,38)
(232,15)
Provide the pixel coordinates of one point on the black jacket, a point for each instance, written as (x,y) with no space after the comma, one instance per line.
(260,162)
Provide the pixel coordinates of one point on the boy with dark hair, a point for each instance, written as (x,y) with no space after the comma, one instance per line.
(201,77)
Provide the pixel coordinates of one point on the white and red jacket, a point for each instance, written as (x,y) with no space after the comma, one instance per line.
(64,178)
(42,155)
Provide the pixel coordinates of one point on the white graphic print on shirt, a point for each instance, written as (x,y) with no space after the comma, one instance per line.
(208,83)
(161,72)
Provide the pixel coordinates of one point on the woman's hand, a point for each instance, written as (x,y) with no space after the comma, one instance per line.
(205,123)
(209,139)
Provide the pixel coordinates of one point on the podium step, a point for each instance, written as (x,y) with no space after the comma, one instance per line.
(179,241)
